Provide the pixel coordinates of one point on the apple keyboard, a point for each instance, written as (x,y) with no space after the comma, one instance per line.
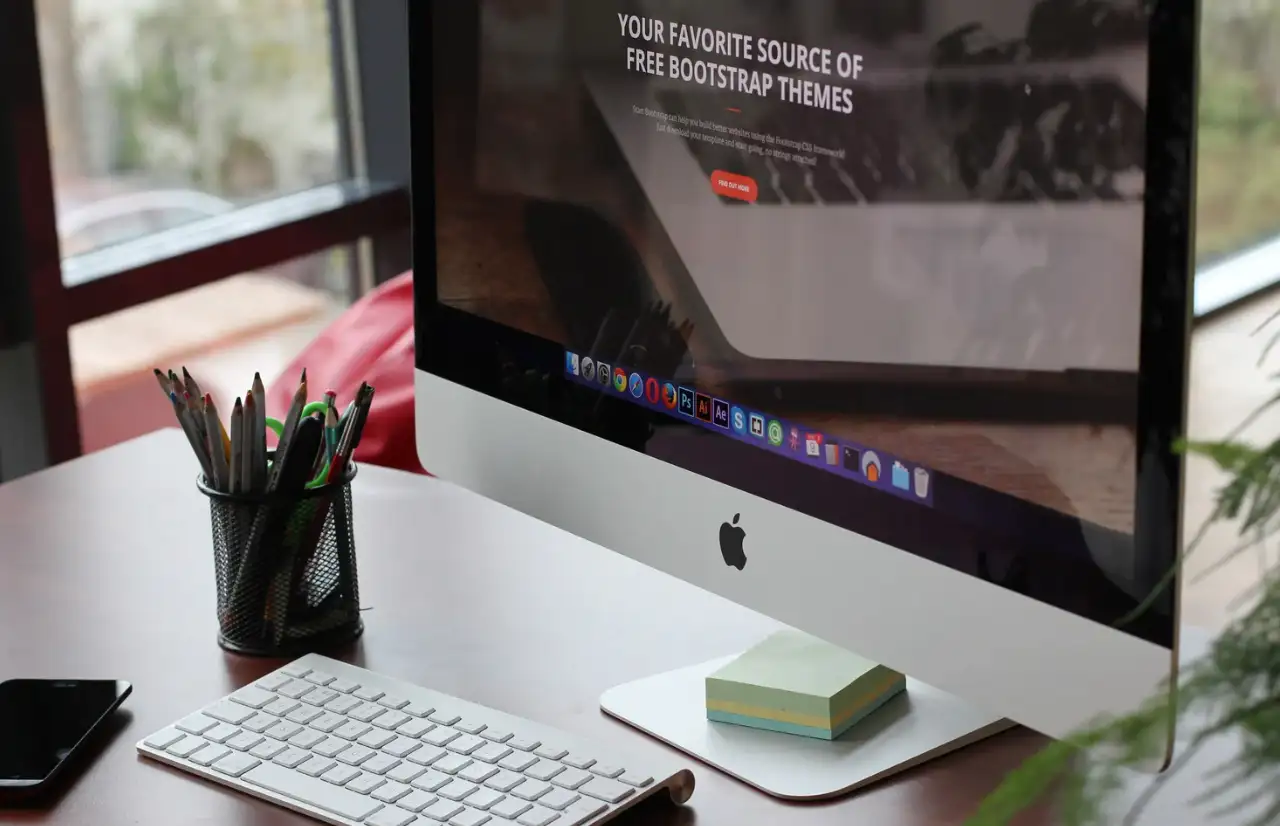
(349,746)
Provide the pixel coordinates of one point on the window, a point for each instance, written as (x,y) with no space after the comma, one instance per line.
(192,153)
(164,111)
(1239,140)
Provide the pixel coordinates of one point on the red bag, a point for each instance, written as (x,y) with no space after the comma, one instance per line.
(372,341)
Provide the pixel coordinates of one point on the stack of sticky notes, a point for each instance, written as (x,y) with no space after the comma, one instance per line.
(796,684)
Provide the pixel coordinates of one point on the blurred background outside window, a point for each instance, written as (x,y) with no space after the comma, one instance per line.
(164,112)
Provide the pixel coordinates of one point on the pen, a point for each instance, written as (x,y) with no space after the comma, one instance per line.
(237,448)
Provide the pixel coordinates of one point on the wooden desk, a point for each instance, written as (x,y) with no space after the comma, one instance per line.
(105,572)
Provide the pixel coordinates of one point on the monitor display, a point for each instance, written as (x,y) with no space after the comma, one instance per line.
(879,262)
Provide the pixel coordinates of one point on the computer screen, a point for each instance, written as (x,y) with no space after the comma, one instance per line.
(888,264)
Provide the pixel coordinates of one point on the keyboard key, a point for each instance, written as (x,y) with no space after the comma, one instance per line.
(327,722)
(229,712)
(491,752)
(550,752)
(580,812)
(427,755)
(307,738)
(331,746)
(197,724)
(320,678)
(442,810)
(432,781)
(295,670)
(391,791)
(559,799)
(164,739)
(304,714)
(292,757)
(610,791)
(456,790)
(510,808)
(283,730)
(635,779)
(316,766)
(356,755)
(253,697)
(246,740)
(259,723)
(271,682)
(391,817)
(340,775)
(342,704)
(478,772)
(401,746)
(578,761)
(365,783)
(523,743)
(497,735)
(375,739)
(606,770)
(571,778)
(416,728)
(451,764)
(483,798)
(235,765)
(318,793)
(221,733)
(367,692)
(465,744)
(416,801)
(343,686)
(390,720)
(469,817)
(209,755)
(441,735)
(380,764)
(320,696)
(281,706)
(517,761)
(365,712)
(405,772)
(443,718)
(351,730)
(470,726)
(504,781)
(531,789)
(267,749)
(187,746)
(544,770)
(537,816)
(294,689)
(392,702)
(418,709)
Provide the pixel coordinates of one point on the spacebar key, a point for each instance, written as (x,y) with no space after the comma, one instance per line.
(318,793)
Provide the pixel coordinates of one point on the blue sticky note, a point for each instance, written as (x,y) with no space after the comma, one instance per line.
(901,478)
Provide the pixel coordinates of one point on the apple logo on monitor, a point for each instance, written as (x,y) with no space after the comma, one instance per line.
(731,537)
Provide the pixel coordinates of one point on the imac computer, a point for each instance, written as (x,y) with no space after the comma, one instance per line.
(869,315)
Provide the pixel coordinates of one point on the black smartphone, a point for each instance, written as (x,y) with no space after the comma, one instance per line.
(45,724)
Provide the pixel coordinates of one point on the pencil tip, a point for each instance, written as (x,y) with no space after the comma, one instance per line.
(159,373)
(304,374)
(208,398)
(257,378)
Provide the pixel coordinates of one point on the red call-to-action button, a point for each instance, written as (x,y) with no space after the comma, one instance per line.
(738,187)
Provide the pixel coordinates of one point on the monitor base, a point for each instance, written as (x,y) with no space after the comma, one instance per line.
(912,728)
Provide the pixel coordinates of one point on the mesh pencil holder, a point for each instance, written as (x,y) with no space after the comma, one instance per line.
(286,569)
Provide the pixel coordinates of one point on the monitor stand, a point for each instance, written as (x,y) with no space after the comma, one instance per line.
(917,726)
